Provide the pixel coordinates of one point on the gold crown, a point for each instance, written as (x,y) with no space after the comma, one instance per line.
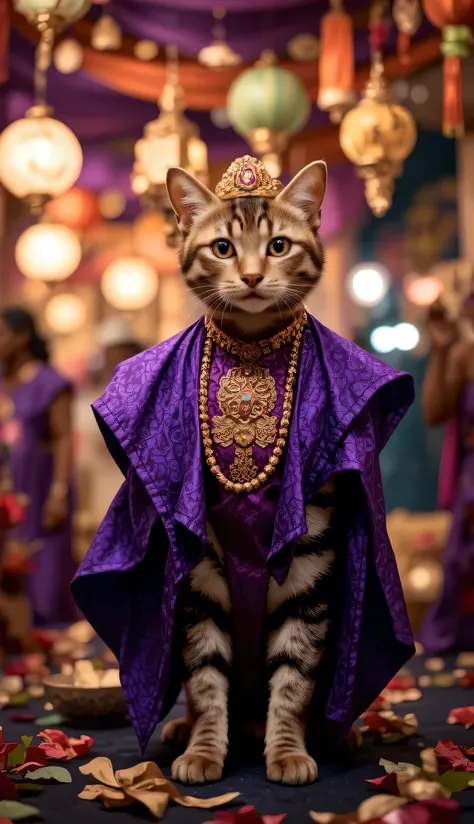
(247,177)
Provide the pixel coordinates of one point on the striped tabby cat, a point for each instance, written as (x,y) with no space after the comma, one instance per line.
(252,261)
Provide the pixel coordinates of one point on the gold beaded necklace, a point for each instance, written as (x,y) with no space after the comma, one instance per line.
(246,397)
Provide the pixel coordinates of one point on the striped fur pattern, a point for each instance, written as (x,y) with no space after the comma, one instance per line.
(257,278)
(297,621)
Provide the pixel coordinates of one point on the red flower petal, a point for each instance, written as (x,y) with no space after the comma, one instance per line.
(34,757)
(467,680)
(451,757)
(8,791)
(462,715)
(438,811)
(55,737)
(54,751)
(82,745)
(5,749)
(387,782)
(402,682)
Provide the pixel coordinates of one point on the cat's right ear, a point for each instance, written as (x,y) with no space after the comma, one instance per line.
(188,197)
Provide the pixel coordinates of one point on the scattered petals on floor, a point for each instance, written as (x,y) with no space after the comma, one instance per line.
(437,811)
(462,715)
(246,815)
(451,757)
(390,727)
(144,783)
(58,745)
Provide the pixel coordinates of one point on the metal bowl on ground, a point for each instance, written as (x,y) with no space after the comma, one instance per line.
(75,701)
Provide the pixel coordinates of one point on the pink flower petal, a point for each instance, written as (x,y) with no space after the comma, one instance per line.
(387,782)
(462,715)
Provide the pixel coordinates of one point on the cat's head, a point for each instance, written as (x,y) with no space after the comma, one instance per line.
(250,254)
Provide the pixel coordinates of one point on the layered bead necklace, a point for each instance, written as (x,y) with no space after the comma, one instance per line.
(247,396)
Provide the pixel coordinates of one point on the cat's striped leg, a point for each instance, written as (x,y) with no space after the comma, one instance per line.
(207,657)
(298,624)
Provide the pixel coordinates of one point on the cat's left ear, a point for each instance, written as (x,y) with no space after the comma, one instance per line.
(188,197)
(306,192)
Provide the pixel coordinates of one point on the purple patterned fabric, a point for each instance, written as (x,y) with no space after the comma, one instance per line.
(346,407)
(31,470)
(449,621)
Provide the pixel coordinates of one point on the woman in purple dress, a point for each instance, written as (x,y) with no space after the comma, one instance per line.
(38,400)
(448,397)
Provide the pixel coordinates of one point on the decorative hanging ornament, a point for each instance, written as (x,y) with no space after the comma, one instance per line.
(55,14)
(304,48)
(106,34)
(378,134)
(40,157)
(455,18)
(336,63)
(170,140)
(266,105)
(407,15)
(219,55)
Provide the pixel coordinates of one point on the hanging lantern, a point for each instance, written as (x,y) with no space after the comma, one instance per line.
(378,134)
(407,16)
(170,140)
(266,105)
(455,19)
(65,313)
(77,208)
(304,48)
(40,158)
(48,252)
(219,55)
(336,63)
(52,13)
(129,284)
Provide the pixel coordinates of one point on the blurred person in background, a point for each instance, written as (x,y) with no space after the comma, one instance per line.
(99,477)
(448,397)
(38,401)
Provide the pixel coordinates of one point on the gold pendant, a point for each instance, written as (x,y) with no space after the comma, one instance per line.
(246,397)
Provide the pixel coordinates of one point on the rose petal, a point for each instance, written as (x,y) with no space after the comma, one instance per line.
(462,715)
(451,757)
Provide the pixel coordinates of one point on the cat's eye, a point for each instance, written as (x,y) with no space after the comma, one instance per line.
(278,247)
(223,249)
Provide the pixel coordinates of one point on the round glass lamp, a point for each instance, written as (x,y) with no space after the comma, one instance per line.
(48,252)
(129,284)
(53,12)
(40,159)
(65,313)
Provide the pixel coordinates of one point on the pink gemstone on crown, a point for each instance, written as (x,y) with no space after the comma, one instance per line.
(247,177)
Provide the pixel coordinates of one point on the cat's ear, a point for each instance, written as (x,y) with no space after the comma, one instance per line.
(306,192)
(188,197)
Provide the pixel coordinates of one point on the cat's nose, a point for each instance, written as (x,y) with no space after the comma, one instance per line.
(252,280)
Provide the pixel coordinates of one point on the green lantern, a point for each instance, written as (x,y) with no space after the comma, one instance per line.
(267,104)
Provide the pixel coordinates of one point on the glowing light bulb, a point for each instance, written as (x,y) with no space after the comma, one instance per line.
(407,337)
(382,339)
(368,284)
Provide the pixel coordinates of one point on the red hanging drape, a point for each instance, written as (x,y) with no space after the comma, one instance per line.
(4,38)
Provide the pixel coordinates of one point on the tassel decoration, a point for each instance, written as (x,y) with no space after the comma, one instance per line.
(455,18)
(336,63)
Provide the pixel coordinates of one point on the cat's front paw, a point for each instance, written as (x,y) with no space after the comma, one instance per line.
(297,768)
(176,731)
(192,768)
(354,738)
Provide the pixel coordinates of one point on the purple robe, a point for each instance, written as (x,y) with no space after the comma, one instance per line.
(346,406)
(449,620)
(31,469)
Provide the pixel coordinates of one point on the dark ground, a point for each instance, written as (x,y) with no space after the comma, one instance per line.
(340,788)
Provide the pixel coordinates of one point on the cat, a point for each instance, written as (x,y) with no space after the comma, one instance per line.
(252,261)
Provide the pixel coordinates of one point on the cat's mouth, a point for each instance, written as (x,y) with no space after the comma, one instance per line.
(253,296)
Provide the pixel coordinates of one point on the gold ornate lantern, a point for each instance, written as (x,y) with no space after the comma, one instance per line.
(170,140)
(378,134)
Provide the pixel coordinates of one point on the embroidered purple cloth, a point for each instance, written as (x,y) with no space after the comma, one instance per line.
(449,620)
(347,405)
